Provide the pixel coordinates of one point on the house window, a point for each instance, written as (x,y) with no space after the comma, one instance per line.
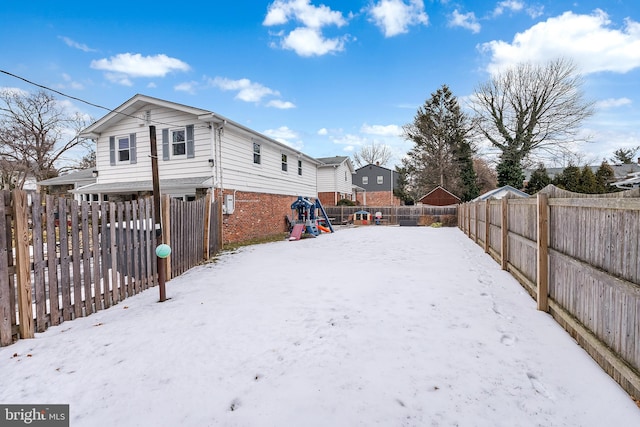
(300,167)
(284,163)
(124,149)
(345,176)
(256,153)
(365,180)
(178,142)
(379,179)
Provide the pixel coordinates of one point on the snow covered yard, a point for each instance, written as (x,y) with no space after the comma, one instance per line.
(388,326)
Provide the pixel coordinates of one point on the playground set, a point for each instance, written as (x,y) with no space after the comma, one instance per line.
(309,219)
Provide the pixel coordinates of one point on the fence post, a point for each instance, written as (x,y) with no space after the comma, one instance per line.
(504,250)
(207,224)
(165,214)
(23,261)
(543,252)
(487,224)
(476,220)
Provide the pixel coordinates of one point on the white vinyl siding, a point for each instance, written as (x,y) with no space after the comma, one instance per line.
(238,173)
(182,167)
(335,179)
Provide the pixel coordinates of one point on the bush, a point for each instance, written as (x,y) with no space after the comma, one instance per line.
(346,202)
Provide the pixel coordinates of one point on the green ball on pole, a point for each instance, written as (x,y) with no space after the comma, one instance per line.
(163,250)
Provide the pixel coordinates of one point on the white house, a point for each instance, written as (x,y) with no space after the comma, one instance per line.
(335,180)
(255,177)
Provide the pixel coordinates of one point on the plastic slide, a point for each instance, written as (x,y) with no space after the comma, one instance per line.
(322,228)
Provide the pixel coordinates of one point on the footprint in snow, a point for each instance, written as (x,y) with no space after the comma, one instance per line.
(538,386)
(508,339)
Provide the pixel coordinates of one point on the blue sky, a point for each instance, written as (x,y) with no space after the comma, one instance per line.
(325,77)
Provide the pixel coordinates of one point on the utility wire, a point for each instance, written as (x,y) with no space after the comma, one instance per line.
(76,98)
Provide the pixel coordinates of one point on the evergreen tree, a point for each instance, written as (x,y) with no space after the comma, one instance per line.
(604,177)
(510,170)
(468,178)
(569,179)
(587,183)
(442,153)
(538,180)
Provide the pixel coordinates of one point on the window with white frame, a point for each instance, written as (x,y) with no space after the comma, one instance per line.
(256,153)
(300,167)
(365,180)
(178,142)
(124,149)
(380,179)
(284,163)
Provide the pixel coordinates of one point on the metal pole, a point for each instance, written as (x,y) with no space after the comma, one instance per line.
(156,210)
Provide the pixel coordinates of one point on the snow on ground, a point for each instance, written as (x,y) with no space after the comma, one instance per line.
(387,326)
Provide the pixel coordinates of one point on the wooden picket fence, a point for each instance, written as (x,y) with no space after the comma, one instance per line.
(61,259)
(579,257)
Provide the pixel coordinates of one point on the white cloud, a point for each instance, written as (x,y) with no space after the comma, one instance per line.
(286,136)
(465,20)
(323,132)
(248,91)
(282,105)
(588,40)
(307,39)
(72,43)
(310,42)
(381,130)
(395,17)
(512,5)
(188,87)
(606,104)
(125,66)
(282,11)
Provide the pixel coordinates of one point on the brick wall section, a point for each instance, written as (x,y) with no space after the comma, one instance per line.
(378,198)
(328,198)
(256,215)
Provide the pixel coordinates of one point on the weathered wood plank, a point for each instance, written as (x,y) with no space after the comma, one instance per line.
(23,261)
(76,261)
(6,288)
(52,260)
(39,264)
(65,276)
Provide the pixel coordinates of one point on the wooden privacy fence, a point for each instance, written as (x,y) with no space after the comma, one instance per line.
(579,256)
(404,215)
(61,259)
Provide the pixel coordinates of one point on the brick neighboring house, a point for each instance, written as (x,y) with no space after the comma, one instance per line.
(439,196)
(335,180)
(254,177)
(377,185)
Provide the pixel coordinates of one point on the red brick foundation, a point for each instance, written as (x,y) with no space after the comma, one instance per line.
(256,216)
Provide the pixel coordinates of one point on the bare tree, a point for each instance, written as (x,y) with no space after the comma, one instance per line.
(36,133)
(372,154)
(531,109)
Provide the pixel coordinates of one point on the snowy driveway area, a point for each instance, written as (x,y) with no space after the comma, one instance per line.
(368,326)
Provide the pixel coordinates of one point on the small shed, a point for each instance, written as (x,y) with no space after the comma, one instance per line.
(439,196)
(362,218)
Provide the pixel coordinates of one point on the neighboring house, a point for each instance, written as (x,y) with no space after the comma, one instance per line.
(256,178)
(64,185)
(377,185)
(499,193)
(335,180)
(439,196)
